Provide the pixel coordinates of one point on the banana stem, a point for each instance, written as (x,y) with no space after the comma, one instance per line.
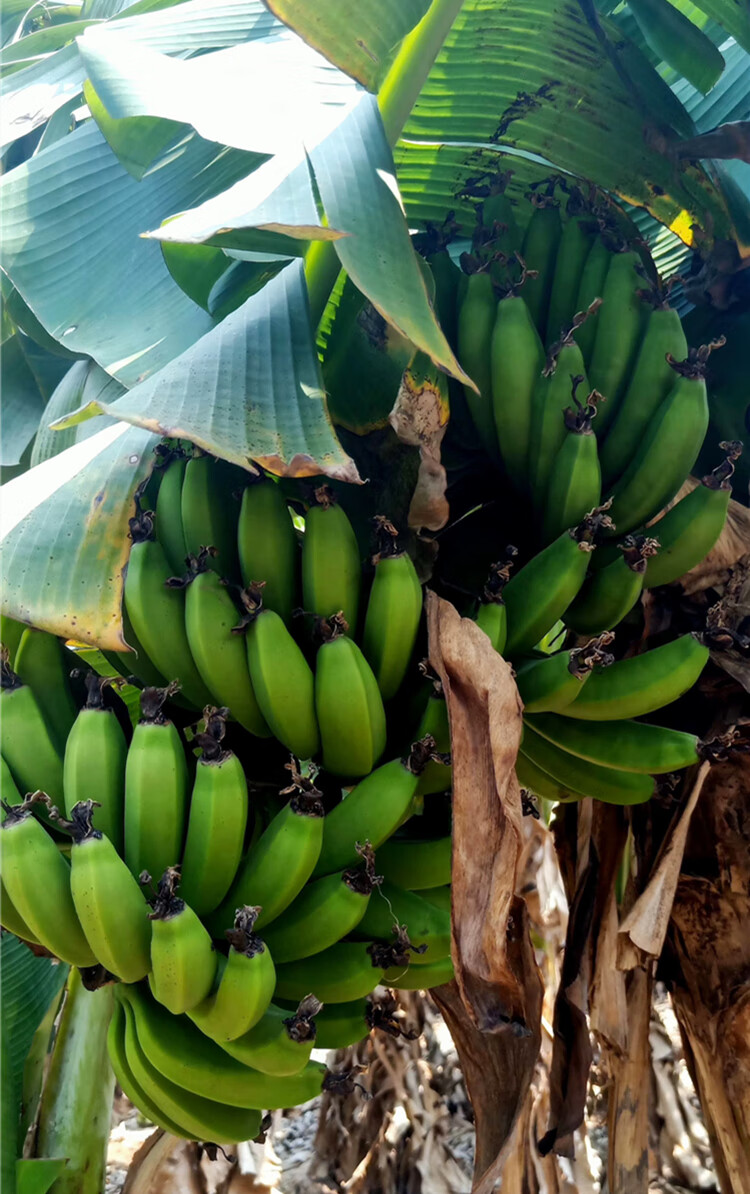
(76,1108)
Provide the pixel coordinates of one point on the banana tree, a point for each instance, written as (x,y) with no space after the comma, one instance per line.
(214,226)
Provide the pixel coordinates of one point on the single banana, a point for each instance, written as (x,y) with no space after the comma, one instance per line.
(331,570)
(587,779)
(392,909)
(536,780)
(439,896)
(572,252)
(136,662)
(216,823)
(590,288)
(29,750)
(216,639)
(551,682)
(94,764)
(436,776)
(281,1042)
(156,781)
(394,609)
(626,745)
(183,961)
(618,334)
(36,877)
(419,978)
(41,663)
(639,685)
(268,547)
(650,382)
(446,276)
(282,680)
(340,1025)
(539,253)
(348,704)
(575,483)
(246,986)
(9,793)
(10,636)
(125,1079)
(516,362)
(339,974)
(476,318)
(558,381)
(11,919)
(169,530)
(491,615)
(210,511)
(497,231)
(607,596)
(416,863)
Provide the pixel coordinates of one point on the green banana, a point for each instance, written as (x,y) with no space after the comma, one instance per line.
(392,909)
(28,747)
(156,780)
(492,616)
(210,511)
(216,823)
(650,382)
(539,253)
(437,776)
(217,645)
(136,662)
(156,611)
(587,779)
(11,919)
(690,529)
(476,318)
(340,1025)
(439,896)
(572,252)
(278,865)
(575,482)
(198,1117)
(324,912)
(245,987)
(548,684)
(169,530)
(94,764)
(281,1042)
(9,793)
(416,863)
(536,780)
(10,636)
(183,961)
(668,449)
(331,571)
(126,1080)
(110,905)
(618,334)
(607,596)
(497,231)
(538,595)
(348,704)
(339,974)
(394,609)
(562,374)
(516,361)
(626,745)
(282,680)
(372,811)
(36,877)
(419,978)
(268,548)
(40,662)
(639,685)
(590,288)
(184,1056)
(447,276)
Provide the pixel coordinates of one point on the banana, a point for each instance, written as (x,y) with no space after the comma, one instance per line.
(636,686)
(446,276)
(268,548)
(536,780)
(539,253)
(476,318)
(11,919)
(156,780)
(586,779)
(40,662)
(340,1025)
(183,961)
(562,374)
(548,684)
(590,288)
(690,529)
(246,985)
(28,747)
(339,974)
(392,909)
(282,680)
(216,823)
(419,978)
(156,610)
(281,1042)
(135,662)
(669,448)
(36,877)
(210,511)
(607,596)
(9,793)
(416,863)
(575,483)
(169,530)
(394,609)
(10,636)
(348,704)
(650,382)
(198,1118)
(572,252)
(538,595)
(372,811)
(618,334)
(94,763)
(516,361)
(216,639)
(325,911)
(436,776)
(439,896)
(498,231)
(331,572)
(110,905)
(126,1080)
(278,865)
(625,745)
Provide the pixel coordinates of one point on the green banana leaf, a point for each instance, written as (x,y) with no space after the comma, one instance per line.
(84,382)
(40,43)
(30,96)
(22,401)
(673,37)
(139,142)
(733,16)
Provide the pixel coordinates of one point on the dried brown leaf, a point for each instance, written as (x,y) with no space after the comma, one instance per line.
(420,419)
(165,1165)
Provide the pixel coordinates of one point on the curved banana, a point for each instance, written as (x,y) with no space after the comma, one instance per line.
(536,780)
(587,779)
(562,374)
(572,252)
(126,1080)
(625,745)
(618,334)
(416,863)
(548,684)
(607,596)
(246,985)
(156,781)
(436,776)
(491,616)
(169,530)
(419,978)
(136,662)
(11,919)
(29,750)
(348,704)
(9,793)
(575,482)
(41,663)
(340,1025)
(183,961)
(439,896)
(590,288)
(281,1042)
(10,636)
(446,276)
(476,317)
(539,253)
(516,362)
(394,609)
(392,909)
(331,571)
(636,686)
(268,548)
(339,974)
(210,511)
(94,764)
